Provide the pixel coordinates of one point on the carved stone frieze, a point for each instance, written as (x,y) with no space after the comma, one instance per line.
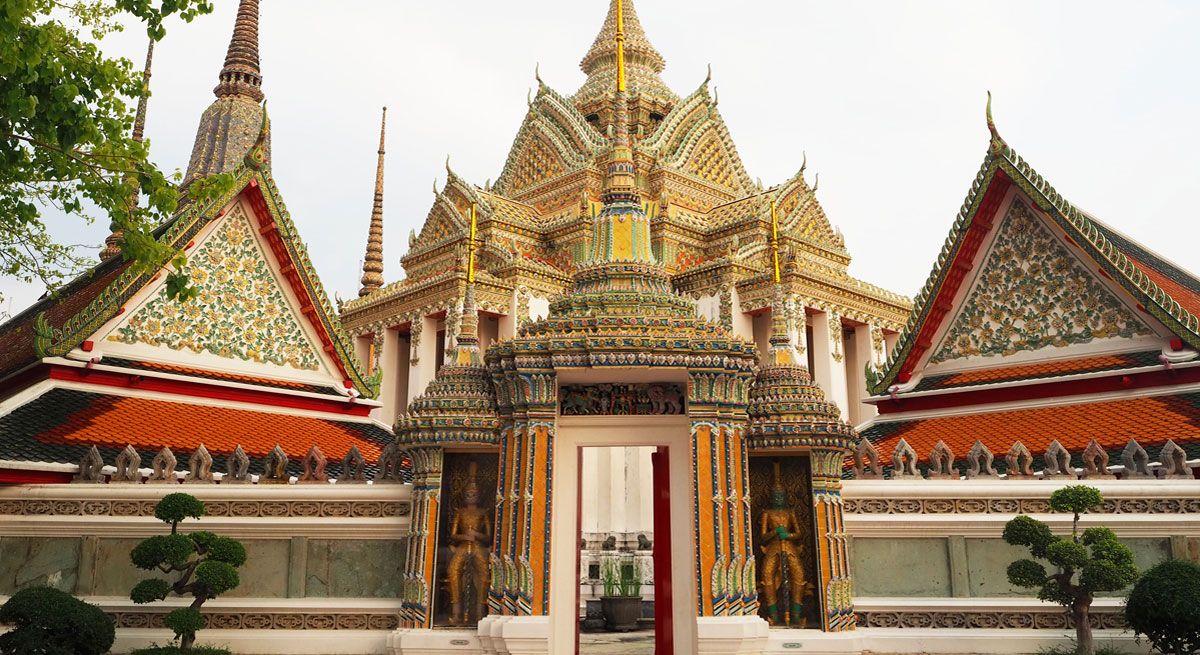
(240,508)
(269,620)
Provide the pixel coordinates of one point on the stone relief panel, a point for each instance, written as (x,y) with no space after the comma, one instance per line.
(1033,293)
(241,312)
(654,399)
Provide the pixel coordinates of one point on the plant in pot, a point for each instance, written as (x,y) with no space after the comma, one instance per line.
(622,599)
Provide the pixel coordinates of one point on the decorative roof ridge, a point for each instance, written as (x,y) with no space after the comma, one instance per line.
(540,117)
(681,109)
(692,139)
(1001,158)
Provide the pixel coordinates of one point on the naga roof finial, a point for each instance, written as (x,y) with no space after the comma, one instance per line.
(997,145)
(448,171)
(537,74)
(708,78)
(816,182)
(804,161)
(716,97)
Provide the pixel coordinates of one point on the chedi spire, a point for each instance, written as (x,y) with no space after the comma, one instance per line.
(241,75)
(372,277)
(230,125)
(112,245)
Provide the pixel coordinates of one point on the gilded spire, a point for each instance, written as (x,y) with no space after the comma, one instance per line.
(621,232)
(642,62)
(471,247)
(372,277)
(112,245)
(230,125)
(241,75)
(775,240)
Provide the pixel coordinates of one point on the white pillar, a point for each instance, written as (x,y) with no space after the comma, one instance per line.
(422,367)
(389,386)
(864,352)
(890,339)
(829,361)
(743,324)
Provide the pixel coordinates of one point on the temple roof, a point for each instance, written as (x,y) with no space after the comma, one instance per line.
(1152,421)
(1167,293)
(60,324)
(62,424)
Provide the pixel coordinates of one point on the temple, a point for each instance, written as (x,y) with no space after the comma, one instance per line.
(624,371)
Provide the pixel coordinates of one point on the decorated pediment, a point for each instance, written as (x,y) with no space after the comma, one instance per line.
(245,316)
(553,140)
(1031,293)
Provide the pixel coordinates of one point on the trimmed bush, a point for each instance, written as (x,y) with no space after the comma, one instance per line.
(47,621)
(1164,606)
(203,562)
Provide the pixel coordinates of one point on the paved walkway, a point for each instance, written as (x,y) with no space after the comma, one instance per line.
(617,643)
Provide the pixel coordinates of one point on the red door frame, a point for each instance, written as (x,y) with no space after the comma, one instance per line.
(664,638)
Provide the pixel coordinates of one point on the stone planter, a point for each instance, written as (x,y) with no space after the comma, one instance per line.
(621,612)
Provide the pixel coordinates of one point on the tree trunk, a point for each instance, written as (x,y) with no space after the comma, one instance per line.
(1083,628)
(186,641)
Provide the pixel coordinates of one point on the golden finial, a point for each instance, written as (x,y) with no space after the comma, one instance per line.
(775,240)
(471,249)
(620,48)
(435,191)
(997,144)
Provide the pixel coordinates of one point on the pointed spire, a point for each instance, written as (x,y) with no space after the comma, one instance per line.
(642,62)
(112,245)
(229,127)
(372,277)
(241,75)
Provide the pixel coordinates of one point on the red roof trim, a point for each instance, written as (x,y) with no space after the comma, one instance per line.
(267,227)
(941,305)
(142,382)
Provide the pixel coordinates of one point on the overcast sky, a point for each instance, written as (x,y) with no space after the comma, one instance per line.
(887,98)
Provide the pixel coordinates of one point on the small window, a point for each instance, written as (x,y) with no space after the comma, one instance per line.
(592,118)
(655,116)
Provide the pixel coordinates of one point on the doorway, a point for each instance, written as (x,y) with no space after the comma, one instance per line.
(617,548)
(665,566)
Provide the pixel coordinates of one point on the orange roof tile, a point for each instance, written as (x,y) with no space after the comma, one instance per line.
(1151,421)
(87,419)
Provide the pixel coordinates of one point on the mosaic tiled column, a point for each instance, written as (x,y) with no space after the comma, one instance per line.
(522,543)
(418,575)
(724,564)
(833,562)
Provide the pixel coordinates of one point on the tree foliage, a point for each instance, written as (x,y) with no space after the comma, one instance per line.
(45,620)
(1164,606)
(205,563)
(66,120)
(1084,565)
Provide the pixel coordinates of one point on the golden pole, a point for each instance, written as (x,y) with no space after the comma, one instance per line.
(471,252)
(775,240)
(620,48)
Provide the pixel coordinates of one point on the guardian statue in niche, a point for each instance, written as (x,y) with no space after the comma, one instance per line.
(470,534)
(782,565)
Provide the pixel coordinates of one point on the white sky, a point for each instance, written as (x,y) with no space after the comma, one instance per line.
(887,98)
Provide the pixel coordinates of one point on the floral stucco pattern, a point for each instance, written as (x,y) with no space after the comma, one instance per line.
(1032,294)
(240,312)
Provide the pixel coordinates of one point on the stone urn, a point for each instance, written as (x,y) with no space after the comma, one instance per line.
(621,613)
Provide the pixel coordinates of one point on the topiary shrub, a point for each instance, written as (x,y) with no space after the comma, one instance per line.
(1107,567)
(46,621)
(206,564)
(1164,606)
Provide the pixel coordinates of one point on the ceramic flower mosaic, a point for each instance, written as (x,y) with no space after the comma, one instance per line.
(1032,294)
(241,311)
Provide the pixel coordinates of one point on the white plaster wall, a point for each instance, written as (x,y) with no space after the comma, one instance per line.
(539,307)
(829,373)
(709,307)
